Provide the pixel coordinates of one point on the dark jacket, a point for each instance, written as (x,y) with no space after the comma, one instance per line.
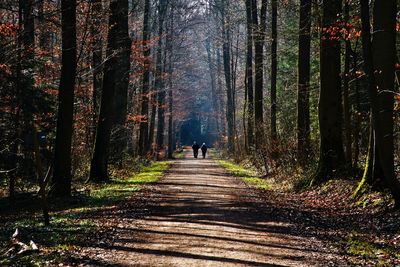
(204,148)
(195,147)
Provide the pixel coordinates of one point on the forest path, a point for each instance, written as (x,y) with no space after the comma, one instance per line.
(198,215)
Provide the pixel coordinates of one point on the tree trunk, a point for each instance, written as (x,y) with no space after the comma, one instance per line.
(379,63)
(274,66)
(41,178)
(27,88)
(228,81)
(159,82)
(213,82)
(346,104)
(170,49)
(44,33)
(29,31)
(152,126)
(221,114)
(171,132)
(61,182)
(99,164)
(249,75)
(97,58)
(357,113)
(234,63)
(16,104)
(259,70)
(384,61)
(122,73)
(144,124)
(303,86)
(330,100)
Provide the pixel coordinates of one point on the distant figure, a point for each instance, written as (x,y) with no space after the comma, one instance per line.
(204,150)
(195,148)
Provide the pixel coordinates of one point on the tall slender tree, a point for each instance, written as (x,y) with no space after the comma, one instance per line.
(259,38)
(303,82)
(346,99)
(144,124)
(221,114)
(226,51)
(330,100)
(28,63)
(159,82)
(379,64)
(97,57)
(384,61)
(117,20)
(213,82)
(152,123)
(170,50)
(274,65)
(357,111)
(61,182)
(122,81)
(249,74)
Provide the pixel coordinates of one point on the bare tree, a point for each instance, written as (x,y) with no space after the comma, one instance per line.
(61,182)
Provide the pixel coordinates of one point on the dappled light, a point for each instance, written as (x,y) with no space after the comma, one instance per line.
(199,133)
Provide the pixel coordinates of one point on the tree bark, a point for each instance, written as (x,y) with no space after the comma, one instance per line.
(228,78)
(249,75)
(29,31)
(221,114)
(213,83)
(27,88)
(122,74)
(152,126)
(99,164)
(303,84)
(144,124)
(357,113)
(346,103)
(170,49)
(171,132)
(330,101)
(61,182)
(97,58)
(379,63)
(159,82)
(259,72)
(42,178)
(274,66)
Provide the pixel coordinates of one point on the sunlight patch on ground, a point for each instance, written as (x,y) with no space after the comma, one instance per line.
(70,227)
(246,175)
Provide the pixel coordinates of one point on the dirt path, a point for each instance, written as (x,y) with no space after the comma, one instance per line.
(198,215)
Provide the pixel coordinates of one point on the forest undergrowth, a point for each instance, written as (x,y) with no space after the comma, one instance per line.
(74,221)
(366,229)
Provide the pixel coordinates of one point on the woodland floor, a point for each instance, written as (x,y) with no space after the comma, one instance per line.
(199,215)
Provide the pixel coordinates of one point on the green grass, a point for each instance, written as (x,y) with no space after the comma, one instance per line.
(375,254)
(119,189)
(257,182)
(246,175)
(179,155)
(73,221)
(213,153)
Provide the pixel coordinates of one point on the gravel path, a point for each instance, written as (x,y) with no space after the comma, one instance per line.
(198,215)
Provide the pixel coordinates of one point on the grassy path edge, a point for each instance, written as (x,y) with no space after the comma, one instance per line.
(73,226)
(246,175)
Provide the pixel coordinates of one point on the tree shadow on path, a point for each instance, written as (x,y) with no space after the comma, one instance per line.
(198,215)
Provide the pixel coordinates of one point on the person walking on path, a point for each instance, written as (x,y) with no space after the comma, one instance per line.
(204,150)
(195,148)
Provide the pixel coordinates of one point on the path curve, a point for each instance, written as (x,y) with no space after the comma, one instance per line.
(201,216)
